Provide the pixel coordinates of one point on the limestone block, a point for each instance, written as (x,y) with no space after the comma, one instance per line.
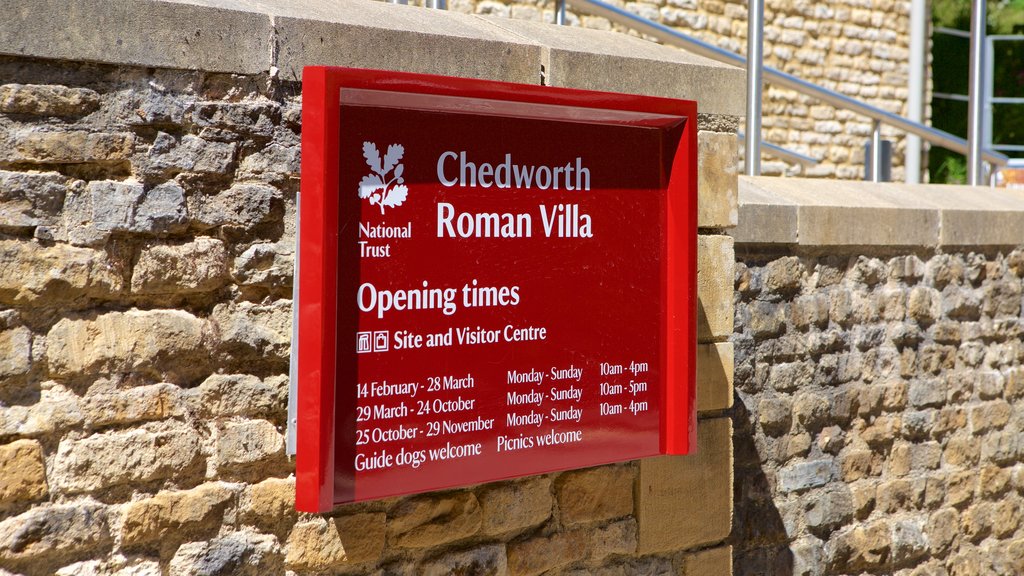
(240,395)
(164,34)
(362,535)
(269,504)
(515,506)
(764,217)
(255,330)
(490,560)
(57,409)
(22,472)
(686,501)
(390,37)
(270,265)
(153,452)
(33,275)
(241,553)
(28,200)
(141,404)
(775,415)
(70,147)
(47,100)
(314,545)
(275,163)
(192,267)
(15,352)
(242,205)
(165,345)
(170,518)
(716,180)
(192,154)
(50,536)
(710,562)
(129,207)
(332,544)
(543,553)
(715,270)
(617,538)
(838,213)
(860,547)
(435,519)
(599,60)
(248,445)
(714,376)
(595,494)
(251,118)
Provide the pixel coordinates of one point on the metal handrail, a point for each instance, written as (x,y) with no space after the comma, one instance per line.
(674,37)
(784,153)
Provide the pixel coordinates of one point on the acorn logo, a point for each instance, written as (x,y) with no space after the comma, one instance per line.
(377,187)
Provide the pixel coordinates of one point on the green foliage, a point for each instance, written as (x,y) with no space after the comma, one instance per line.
(952,170)
(1004,16)
(950,66)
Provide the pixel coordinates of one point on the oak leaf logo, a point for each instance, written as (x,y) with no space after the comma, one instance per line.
(376,186)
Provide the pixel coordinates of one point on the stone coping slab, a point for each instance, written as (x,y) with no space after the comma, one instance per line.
(838,213)
(260,36)
(615,62)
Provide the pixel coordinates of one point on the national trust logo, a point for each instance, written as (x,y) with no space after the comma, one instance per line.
(376,186)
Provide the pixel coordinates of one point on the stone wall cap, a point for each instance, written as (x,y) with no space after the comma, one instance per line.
(830,213)
(257,36)
(604,60)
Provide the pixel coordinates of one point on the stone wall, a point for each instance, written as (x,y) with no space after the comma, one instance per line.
(149,164)
(858,48)
(879,383)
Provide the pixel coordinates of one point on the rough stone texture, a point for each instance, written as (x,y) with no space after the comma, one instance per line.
(485,561)
(153,452)
(47,100)
(877,419)
(711,562)
(197,266)
(596,494)
(515,506)
(241,553)
(166,345)
(315,545)
(28,200)
(49,536)
(22,473)
(425,521)
(129,207)
(247,446)
(255,331)
(170,518)
(147,216)
(33,274)
(543,553)
(70,147)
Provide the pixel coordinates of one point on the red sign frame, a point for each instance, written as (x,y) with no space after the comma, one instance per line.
(319,245)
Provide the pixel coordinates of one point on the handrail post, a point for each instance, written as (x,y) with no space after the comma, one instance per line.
(876,151)
(560,12)
(975,96)
(755,65)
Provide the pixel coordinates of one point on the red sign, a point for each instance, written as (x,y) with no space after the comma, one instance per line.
(496,280)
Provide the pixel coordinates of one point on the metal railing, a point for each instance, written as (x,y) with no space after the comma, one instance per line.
(676,38)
